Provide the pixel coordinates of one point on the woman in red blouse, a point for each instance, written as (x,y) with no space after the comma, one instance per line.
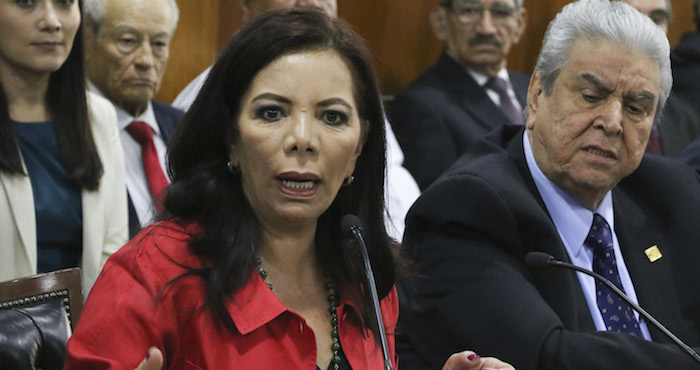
(249,268)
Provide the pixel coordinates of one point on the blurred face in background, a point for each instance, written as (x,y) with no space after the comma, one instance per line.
(657,10)
(253,8)
(127,58)
(36,36)
(480,33)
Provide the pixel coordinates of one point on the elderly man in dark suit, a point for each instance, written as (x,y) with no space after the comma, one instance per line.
(468,92)
(127,48)
(574,184)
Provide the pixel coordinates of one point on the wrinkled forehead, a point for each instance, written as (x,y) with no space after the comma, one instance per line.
(145,16)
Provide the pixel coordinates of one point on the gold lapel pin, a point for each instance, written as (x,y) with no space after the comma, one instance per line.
(653,253)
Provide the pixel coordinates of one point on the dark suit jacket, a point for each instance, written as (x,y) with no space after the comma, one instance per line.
(685,64)
(467,236)
(680,125)
(168,118)
(441,114)
(691,155)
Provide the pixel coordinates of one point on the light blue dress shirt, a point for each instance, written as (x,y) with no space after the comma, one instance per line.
(573,222)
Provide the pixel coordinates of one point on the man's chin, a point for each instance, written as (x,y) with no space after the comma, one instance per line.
(134,104)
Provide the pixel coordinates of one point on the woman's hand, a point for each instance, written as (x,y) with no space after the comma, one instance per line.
(469,360)
(153,360)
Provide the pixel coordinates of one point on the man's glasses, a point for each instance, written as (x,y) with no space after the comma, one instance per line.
(471,13)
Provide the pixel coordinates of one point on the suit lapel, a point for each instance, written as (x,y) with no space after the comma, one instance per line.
(559,287)
(18,190)
(468,94)
(520,86)
(166,121)
(653,281)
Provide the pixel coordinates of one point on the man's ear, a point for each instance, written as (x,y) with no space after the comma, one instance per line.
(534,94)
(438,22)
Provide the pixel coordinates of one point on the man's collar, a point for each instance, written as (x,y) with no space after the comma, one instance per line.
(571,218)
(124,118)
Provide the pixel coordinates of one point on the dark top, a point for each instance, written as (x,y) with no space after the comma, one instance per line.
(685,64)
(442,113)
(57,199)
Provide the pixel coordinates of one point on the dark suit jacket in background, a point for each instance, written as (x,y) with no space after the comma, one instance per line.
(691,155)
(441,114)
(168,118)
(679,126)
(467,236)
(685,64)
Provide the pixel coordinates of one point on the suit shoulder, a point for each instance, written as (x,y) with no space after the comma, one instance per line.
(661,173)
(518,76)
(163,108)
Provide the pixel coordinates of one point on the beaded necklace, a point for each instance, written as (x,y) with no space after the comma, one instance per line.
(335,346)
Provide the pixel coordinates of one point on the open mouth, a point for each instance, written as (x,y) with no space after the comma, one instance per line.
(600,153)
(297,184)
(301,185)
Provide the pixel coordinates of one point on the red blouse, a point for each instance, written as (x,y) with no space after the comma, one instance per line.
(130,309)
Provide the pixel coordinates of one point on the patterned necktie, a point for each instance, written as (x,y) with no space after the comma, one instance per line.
(142,133)
(617,314)
(500,86)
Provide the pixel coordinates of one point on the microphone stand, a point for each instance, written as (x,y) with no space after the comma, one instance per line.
(554,262)
(375,299)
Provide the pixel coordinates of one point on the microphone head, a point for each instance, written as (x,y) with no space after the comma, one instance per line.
(538,260)
(350,222)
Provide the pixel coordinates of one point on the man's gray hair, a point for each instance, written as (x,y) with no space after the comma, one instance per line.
(448,3)
(603,20)
(94,12)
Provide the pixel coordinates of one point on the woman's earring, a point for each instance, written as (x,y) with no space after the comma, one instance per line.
(233,169)
(348,180)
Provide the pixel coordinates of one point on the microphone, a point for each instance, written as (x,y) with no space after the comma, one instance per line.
(540,260)
(352,225)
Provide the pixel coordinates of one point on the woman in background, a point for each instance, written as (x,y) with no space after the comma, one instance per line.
(62,193)
(250,269)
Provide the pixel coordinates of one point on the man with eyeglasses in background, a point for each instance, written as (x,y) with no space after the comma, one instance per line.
(468,92)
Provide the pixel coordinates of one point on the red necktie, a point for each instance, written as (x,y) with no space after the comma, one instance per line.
(142,133)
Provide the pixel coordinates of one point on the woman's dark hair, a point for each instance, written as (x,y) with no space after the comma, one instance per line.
(67,103)
(205,192)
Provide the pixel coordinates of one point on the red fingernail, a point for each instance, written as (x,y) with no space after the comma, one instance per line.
(473,357)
